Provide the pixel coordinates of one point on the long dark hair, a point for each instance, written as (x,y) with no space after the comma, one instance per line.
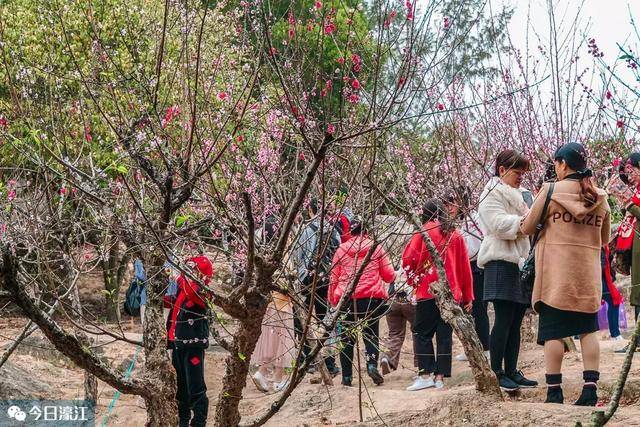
(575,156)
(433,210)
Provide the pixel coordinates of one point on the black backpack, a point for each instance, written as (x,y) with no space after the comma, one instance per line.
(133,297)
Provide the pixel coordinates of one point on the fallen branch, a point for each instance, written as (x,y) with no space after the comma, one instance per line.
(600,418)
(65,343)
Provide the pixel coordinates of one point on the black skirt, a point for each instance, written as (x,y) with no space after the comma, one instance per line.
(555,324)
(502,282)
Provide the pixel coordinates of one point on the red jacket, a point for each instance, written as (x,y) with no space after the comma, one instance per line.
(416,261)
(346,262)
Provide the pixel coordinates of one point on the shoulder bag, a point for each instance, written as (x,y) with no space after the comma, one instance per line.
(528,272)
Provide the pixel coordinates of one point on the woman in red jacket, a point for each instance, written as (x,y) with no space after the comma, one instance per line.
(367,298)
(420,273)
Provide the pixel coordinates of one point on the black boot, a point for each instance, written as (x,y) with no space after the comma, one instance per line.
(346,381)
(589,396)
(554,389)
(372,370)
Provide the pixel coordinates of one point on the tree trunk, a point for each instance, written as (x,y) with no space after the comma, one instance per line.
(600,418)
(161,406)
(90,387)
(90,381)
(237,362)
(113,272)
(462,324)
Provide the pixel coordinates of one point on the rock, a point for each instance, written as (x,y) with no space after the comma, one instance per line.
(18,383)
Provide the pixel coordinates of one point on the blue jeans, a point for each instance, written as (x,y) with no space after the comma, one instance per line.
(613,315)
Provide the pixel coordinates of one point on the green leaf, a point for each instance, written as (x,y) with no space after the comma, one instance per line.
(181,219)
(122,169)
(242,356)
(626,56)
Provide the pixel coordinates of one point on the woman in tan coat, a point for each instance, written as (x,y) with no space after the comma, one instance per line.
(568,288)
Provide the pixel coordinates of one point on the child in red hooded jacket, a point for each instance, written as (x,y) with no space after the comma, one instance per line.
(188,336)
(367,298)
(421,272)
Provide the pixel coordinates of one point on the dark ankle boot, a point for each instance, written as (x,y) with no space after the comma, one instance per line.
(589,395)
(554,389)
(372,370)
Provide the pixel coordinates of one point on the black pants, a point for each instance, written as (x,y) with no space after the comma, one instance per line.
(479,308)
(192,390)
(613,315)
(505,335)
(427,324)
(320,306)
(365,313)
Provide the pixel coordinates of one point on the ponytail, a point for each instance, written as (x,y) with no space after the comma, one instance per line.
(588,192)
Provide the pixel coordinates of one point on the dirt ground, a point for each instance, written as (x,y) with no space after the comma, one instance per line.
(36,370)
(315,404)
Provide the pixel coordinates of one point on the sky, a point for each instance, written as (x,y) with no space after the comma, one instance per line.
(608,21)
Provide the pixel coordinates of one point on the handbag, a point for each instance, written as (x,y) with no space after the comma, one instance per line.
(528,272)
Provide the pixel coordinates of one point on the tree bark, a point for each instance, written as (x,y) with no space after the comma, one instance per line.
(156,387)
(162,409)
(600,418)
(113,272)
(90,381)
(485,379)
(237,362)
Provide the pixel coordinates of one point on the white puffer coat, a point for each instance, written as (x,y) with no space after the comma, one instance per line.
(501,210)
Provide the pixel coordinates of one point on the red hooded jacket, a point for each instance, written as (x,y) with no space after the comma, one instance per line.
(416,261)
(346,262)
(187,323)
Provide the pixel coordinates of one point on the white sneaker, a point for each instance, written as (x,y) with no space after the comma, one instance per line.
(463,357)
(421,383)
(439,384)
(260,381)
(618,338)
(281,385)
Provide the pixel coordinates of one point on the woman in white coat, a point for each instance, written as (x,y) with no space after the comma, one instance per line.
(502,252)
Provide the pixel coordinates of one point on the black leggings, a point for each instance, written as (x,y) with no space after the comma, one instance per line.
(367,314)
(505,335)
(479,308)
(191,392)
(427,324)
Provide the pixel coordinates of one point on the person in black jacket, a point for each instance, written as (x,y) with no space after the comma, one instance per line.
(188,336)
